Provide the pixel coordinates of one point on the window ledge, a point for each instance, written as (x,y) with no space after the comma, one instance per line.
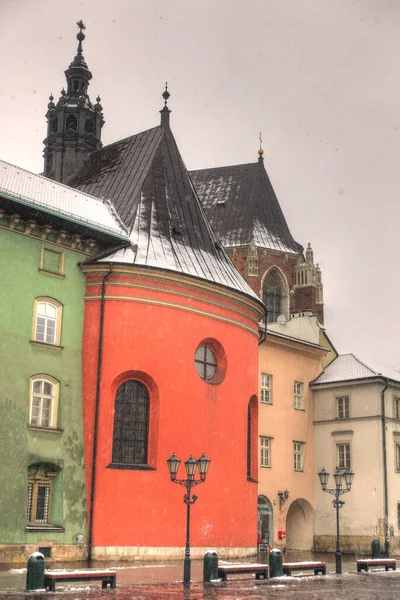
(297,408)
(45,429)
(131,467)
(299,470)
(44,344)
(58,275)
(265,466)
(43,527)
(267,403)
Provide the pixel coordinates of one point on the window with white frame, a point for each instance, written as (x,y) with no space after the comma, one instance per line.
(265,451)
(43,401)
(298,395)
(396,407)
(343,407)
(47,321)
(343,456)
(298,455)
(397,457)
(266,388)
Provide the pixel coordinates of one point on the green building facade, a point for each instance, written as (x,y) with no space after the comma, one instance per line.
(42,474)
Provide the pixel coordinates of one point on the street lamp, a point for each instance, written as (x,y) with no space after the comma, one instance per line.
(191,465)
(342,478)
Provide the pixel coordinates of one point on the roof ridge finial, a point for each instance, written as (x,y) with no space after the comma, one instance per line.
(166,95)
(261,151)
(165,110)
(80,36)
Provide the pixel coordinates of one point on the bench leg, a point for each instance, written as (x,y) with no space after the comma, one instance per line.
(53,585)
(113,583)
(103,584)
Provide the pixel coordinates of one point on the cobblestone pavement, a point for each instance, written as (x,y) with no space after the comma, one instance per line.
(162,581)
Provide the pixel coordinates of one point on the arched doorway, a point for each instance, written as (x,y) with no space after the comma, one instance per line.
(300,526)
(265,532)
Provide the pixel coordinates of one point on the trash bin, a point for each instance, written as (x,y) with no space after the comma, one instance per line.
(275,563)
(210,566)
(376,549)
(35,572)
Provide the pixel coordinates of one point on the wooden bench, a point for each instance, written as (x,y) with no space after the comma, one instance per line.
(363,564)
(260,570)
(107,577)
(317,567)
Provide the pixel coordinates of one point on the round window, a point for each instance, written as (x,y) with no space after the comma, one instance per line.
(210,361)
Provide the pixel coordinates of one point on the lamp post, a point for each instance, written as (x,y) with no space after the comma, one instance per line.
(341,478)
(190,465)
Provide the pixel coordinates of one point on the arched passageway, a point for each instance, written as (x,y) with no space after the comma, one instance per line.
(300,526)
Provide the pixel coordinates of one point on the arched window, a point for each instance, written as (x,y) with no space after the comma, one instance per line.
(72,123)
(252,427)
(43,401)
(272,295)
(47,321)
(131,424)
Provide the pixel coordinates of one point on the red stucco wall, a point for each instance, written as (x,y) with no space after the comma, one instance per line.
(154,342)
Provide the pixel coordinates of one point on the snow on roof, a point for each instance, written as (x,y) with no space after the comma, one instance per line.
(35,190)
(347,367)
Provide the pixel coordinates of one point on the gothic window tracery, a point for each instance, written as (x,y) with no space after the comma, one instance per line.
(272,295)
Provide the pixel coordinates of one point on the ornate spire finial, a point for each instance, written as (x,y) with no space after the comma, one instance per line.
(261,151)
(166,95)
(165,110)
(80,36)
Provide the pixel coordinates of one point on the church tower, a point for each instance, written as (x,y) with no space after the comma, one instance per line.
(74,123)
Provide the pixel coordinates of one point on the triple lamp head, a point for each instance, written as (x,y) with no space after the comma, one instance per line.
(341,477)
(191,465)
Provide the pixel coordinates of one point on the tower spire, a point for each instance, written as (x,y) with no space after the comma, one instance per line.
(74,123)
(165,112)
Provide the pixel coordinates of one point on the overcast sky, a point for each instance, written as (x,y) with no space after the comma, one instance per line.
(319,78)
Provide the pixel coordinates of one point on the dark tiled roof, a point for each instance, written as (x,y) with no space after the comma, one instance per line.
(145,178)
(241,206)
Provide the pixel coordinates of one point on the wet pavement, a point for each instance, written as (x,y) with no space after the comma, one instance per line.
(154,581)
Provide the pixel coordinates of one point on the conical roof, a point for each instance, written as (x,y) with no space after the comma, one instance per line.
(145,178)
(242,207)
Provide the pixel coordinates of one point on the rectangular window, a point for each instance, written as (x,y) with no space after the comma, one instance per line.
(298,455)
(265,452)
(343,407)
(266,388)
(343,456)
(38,502)
(298,397)
(396,407)
(252,266)
(52,261)
(397,457)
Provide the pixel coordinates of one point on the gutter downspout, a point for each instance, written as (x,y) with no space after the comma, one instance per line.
(263,335)
(385,479)
(96,416)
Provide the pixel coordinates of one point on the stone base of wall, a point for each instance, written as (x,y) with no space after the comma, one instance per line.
(354,544)
(137,553)
(19,553)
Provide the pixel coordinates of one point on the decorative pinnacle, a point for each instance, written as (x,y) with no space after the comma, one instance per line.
(80,36)
(261,151)
(166,94)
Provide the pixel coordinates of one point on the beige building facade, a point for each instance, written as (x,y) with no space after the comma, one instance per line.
(357,426)
(292,355)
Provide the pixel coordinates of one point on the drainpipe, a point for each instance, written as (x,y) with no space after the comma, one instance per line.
(263,335)
(96,415)
(385,480)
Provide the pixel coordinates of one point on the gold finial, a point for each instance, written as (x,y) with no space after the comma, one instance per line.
(261,151)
